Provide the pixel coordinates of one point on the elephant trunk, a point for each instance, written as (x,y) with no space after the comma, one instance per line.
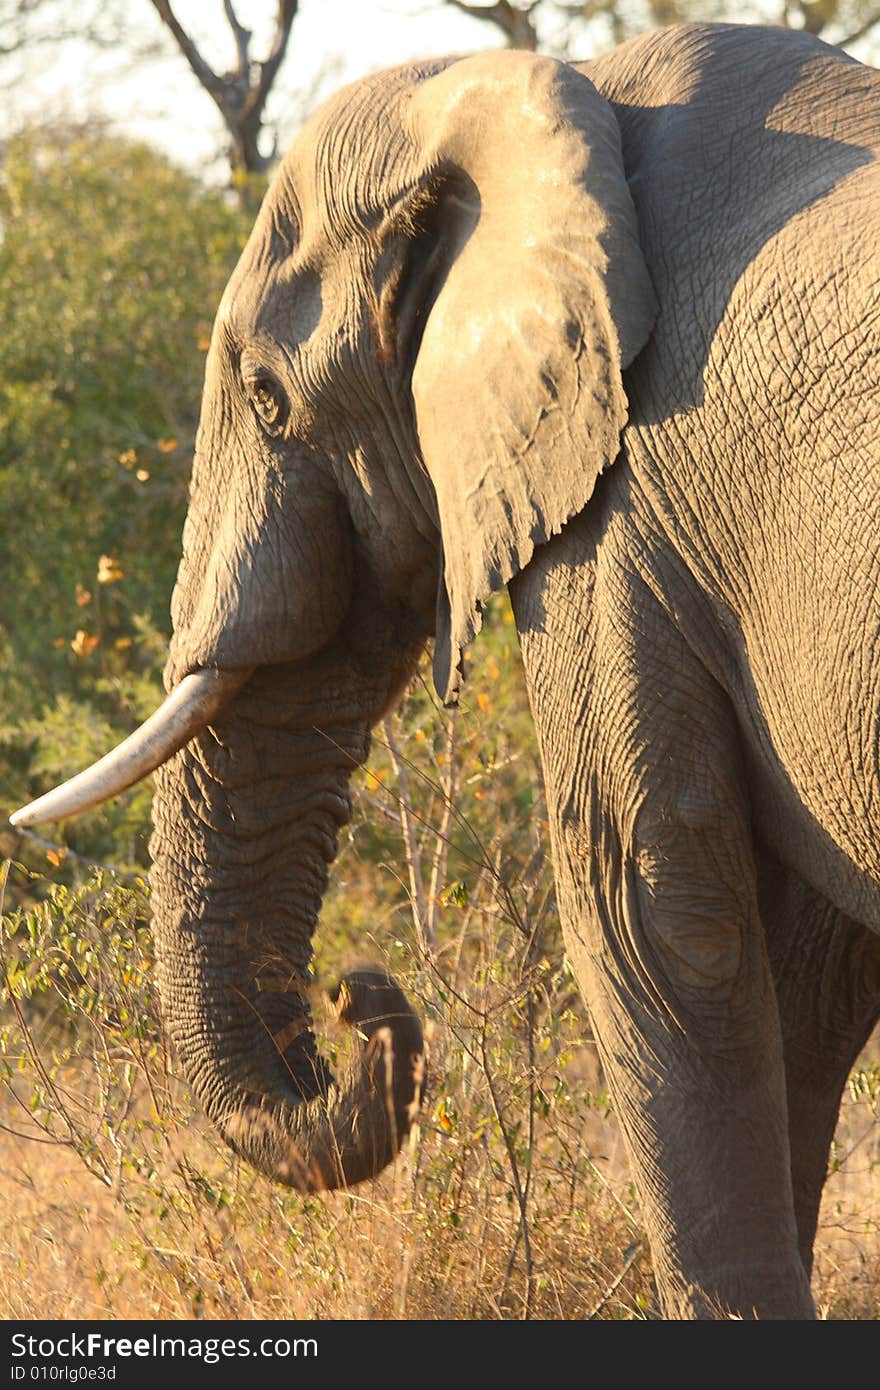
(239,869)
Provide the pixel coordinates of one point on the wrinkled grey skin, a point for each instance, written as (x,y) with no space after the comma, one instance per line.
(475,287)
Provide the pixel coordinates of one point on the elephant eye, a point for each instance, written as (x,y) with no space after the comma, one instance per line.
(270,404)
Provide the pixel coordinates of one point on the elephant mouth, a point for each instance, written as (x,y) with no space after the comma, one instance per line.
(191,706)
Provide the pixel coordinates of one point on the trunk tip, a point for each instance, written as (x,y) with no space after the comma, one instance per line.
(369,998)
(354,1131)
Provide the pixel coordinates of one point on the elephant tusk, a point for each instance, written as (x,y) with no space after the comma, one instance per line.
(189,707)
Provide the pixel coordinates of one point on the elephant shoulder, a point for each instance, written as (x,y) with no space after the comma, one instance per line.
(704,63)
(699,102)
(723,182)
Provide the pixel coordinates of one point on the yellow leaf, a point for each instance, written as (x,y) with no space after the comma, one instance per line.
(493,671)
(128,458)
(167,446)
(83,596)
(484,702)
(56,856)
(445,1117)
(122,644)
(84,643)
(455,894)
(142,475)
(60,642)
(109,570)
(203,342)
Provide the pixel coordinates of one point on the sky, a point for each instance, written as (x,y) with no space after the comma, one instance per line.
(332,42)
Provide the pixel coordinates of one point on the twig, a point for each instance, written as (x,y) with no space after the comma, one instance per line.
(424,929)
(441,852)
(519,1189)
(64,852)
(612,1288)
(514,22)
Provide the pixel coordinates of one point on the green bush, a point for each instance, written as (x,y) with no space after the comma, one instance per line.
(111,266)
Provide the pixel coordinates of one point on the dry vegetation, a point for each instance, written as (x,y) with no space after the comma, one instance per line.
(124,1204)
(513,1200)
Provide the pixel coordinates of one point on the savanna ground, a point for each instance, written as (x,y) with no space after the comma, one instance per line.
(117,1200)
(512,1201)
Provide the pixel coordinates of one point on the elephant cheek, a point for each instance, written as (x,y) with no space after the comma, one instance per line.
(269,582)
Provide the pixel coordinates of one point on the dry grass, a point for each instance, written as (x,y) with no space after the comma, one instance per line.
(846,1278)
(74,1249)
(512,1200)
(141,1213)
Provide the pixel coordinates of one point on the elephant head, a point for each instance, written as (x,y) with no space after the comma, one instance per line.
(414,380)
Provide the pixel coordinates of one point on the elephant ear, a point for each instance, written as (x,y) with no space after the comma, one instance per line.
(538,302)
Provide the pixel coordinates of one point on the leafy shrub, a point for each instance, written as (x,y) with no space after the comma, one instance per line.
(111,265)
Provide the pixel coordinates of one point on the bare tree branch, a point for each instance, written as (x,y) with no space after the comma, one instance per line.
(22,41)
(269,69)
(861,32)
(241,94)
(514,21)
(98,25)
(241,35)
(202,70)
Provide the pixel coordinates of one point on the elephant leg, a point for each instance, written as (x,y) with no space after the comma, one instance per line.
(827,973)
(657,889)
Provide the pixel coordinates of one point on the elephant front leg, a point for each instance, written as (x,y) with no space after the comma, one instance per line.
(664,935)
(827,973)
(656,885)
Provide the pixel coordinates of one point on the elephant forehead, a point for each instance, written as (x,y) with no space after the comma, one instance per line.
(274,288)
(355,155)
(288,306)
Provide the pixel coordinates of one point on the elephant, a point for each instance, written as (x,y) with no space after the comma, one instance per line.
(607,334)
